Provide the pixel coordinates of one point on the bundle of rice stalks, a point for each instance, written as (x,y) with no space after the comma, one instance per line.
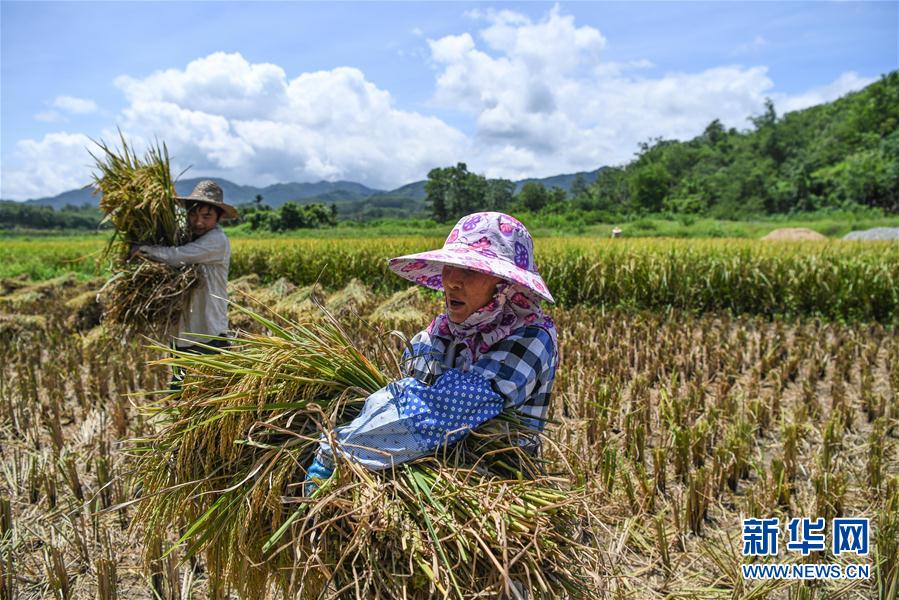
(86,311)
(20,328)
(229,463)
(138,198)
(281,288)
(353,299)
(282,301)
(301,304)
(243,285)
(104,340)
(404,310)
(11,284)
(147,296)
(41,297)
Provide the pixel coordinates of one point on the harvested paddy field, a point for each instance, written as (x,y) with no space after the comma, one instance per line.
(674,426)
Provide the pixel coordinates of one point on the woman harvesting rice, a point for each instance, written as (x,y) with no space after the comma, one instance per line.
(492,349)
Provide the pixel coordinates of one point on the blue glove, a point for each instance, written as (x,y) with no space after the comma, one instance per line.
(317,470)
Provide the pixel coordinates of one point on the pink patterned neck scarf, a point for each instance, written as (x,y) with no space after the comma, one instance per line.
(510,309)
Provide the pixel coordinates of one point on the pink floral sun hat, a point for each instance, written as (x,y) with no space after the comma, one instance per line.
(489,242)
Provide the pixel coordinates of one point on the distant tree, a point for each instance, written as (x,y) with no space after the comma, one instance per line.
(556,201)
(21,215)
(578,186)
(533,196)
(714,133)
(291,216)
(769,136)
(437,190)
(452,192)
(318,215)
(607,193)
(768,118)
(500,193)
(258,199)
(472,195)
(649,186)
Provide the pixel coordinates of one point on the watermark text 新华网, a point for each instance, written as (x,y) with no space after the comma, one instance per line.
(849,536)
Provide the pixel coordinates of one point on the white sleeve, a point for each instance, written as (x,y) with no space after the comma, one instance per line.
(209,248)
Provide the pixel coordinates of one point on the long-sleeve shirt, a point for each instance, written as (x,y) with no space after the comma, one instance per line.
(207,310)
(437,403)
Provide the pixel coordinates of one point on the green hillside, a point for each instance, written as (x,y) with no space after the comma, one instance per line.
(841,154)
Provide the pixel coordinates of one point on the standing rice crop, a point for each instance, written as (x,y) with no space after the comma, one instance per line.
(138,198)
(229,463)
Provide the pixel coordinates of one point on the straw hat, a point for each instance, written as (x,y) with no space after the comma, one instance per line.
(209,192)
(489,242)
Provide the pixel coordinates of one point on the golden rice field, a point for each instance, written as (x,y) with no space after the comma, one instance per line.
(836,280)
(680,407)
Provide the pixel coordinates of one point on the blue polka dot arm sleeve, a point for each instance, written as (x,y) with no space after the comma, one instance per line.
(408,419)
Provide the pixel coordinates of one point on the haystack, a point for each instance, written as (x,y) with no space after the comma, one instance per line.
(105,339)
(301,304)
(790,234)
(20,328)
(11,284)
(243,285)
(228,466)
(281,301)
(875,234)
(281,288)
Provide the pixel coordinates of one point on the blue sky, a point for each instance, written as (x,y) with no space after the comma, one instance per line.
(381,92)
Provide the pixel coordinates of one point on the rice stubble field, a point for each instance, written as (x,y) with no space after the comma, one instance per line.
(681,406)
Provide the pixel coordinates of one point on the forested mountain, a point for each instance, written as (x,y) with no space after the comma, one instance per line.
(838,154)
(350,197)
(273,195)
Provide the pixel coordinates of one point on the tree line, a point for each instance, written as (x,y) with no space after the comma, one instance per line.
(32,216)
(260,217)
(289,216)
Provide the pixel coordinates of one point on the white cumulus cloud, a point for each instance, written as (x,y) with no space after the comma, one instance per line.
(544,99)
(546,102)
(222,115)
(849,81)
(54,164)
(251,123)
(48,116)
(77,106)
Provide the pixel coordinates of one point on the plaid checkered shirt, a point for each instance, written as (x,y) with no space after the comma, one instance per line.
(437,403)
(520,368)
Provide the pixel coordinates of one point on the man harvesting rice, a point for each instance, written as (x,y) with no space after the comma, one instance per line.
(492,349)
(207,310)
